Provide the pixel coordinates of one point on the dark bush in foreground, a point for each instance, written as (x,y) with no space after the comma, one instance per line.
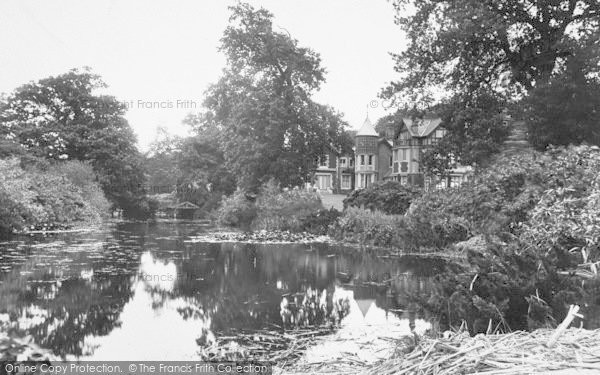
(368,228)
(389,197)
(320,221)
(279,209)
(236,210)
(536,215)
(273,209)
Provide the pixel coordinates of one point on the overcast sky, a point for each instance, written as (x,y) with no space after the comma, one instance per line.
(166,51)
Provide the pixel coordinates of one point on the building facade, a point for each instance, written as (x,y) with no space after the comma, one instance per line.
(394,156)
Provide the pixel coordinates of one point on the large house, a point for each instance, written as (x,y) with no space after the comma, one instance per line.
(395,155)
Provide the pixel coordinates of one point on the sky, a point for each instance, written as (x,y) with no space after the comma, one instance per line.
(167,51)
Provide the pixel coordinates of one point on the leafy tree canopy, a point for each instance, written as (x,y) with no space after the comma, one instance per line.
(62,118)
(466,45)
(487,56)
(268,125)
(566,110)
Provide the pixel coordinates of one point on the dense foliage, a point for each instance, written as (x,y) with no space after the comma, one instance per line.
(368,227)
(566,110)
(535,226)
(320,221)
(237,210)
(528,227)
(466,45)
(268,125)
(46,196)
(62,118)
(389,197)
(537,59)
(272,209)
(476,126)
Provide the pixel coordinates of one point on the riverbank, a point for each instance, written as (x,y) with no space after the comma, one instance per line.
(263,236)
(575,351)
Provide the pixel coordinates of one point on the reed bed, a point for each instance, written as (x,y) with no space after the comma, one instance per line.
(496,354)
(277,347)
(512,353)
(561,350)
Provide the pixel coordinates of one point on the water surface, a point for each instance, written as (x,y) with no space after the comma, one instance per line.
(139,291)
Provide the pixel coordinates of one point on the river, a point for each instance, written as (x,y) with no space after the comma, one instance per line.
(143,291)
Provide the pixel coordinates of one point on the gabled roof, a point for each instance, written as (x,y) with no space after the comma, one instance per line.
(184,205)
(424,126)
(367,129)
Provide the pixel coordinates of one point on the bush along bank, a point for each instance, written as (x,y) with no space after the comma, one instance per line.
(44,196)
(527,228)
(276,210)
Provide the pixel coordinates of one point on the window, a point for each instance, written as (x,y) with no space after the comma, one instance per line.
(324,161)
(396,167)
(404,154)
(403,180)
(346,181)
(362,160)
(351,162)
(404,167)
(370,159)
(343,162)
(391,161)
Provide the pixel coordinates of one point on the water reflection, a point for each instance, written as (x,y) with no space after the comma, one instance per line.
(145,292)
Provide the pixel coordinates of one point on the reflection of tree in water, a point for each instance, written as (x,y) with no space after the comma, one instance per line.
(231,286)
(241,286)
(249,286)
(60,303)
(313,309)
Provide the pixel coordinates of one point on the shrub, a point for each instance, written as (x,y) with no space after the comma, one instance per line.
(319,222)
(389,197)
(549,203)
(81,174)
(368,227)
(43,195)
(564,224)
(236,210)
(272,209)
(284,209)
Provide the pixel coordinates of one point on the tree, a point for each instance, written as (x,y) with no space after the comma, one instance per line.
(466,45)
(476,128)
(61,118)
(566,110)
(161,160)
(267,124)
(488,54)
(203,176)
